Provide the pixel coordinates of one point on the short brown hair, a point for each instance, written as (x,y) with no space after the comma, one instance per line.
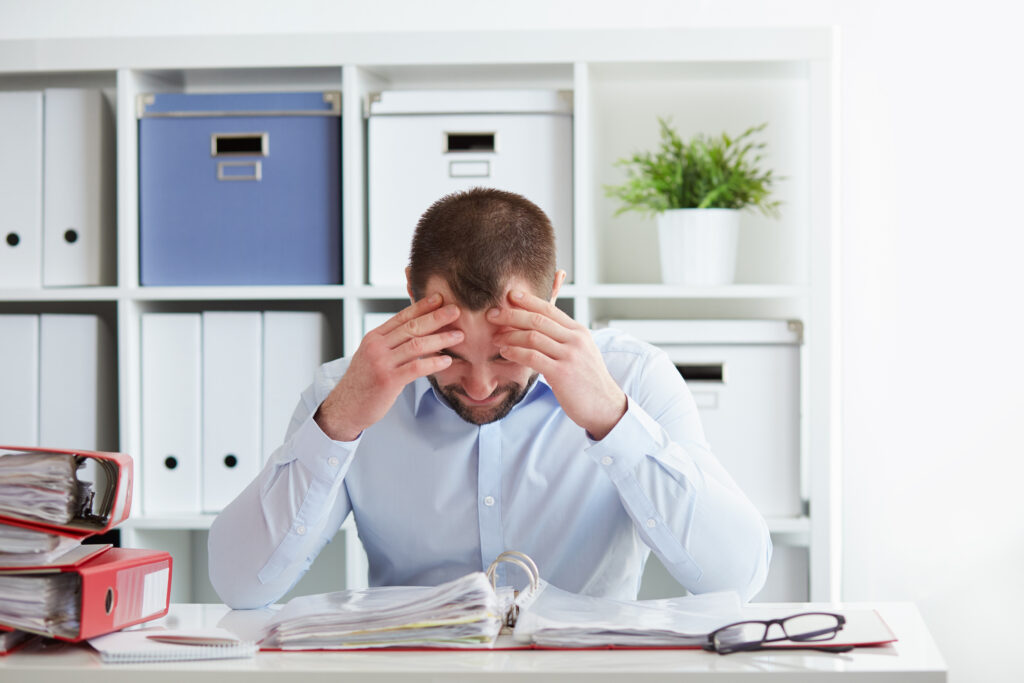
(476,240)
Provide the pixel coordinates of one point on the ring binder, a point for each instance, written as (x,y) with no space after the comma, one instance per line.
(524,562)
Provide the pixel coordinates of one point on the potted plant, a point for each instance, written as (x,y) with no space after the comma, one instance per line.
(697,189)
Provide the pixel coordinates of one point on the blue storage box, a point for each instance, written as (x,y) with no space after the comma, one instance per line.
(240,189)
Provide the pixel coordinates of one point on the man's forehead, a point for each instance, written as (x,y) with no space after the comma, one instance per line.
(438,285)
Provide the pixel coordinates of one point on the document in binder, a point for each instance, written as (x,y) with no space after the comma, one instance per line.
(25,546)
(118,587)
(75,491)
(468,612)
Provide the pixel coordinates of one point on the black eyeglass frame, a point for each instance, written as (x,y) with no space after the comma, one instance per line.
(818,636)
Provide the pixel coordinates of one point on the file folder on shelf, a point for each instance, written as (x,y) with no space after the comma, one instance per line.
(294,346)
(232,356)
(76,382)
(19,367)
(118,588)
(21,189)
(112,489)
(78,188)
(171,412)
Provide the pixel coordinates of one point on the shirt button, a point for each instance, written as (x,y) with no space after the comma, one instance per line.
(651,524)
(489,501)
(607,460)
(332,461)
(300,530)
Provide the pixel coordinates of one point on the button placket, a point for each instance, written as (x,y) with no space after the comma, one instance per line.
(489,493)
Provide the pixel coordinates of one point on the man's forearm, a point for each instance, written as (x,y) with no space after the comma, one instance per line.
(686,507)
(264,541)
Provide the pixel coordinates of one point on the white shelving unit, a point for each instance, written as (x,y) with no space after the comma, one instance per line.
(704,79)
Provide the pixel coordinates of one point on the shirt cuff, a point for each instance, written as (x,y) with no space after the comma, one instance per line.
(324,458)
(628,443)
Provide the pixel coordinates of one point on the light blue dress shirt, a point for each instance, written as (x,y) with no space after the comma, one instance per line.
(435,497)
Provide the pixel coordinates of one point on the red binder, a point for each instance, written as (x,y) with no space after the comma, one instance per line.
(118,587)
(114,495)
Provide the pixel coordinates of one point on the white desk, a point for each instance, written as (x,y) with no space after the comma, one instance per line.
(914,658)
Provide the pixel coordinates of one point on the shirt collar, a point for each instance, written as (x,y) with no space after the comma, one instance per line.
(422,387)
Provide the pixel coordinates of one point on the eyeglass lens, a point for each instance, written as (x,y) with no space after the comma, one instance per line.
(809,627)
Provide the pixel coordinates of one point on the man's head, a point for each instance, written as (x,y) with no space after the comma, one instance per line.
(476,241)
(473,248)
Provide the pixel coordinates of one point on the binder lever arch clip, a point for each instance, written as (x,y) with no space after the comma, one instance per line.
(524,562)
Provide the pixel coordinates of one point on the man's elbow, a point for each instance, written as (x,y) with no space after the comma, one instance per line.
(758,575)
(744,569)
(234,582)
(236,592)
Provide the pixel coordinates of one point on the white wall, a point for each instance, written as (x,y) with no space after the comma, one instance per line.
(931,254)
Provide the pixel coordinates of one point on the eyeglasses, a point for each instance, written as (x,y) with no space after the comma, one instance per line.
(808,627)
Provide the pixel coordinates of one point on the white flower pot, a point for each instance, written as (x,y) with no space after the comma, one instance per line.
(698,246)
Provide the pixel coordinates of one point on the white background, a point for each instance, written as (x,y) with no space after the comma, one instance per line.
(931,179)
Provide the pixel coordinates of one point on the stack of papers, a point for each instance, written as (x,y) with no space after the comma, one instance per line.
(552,617)
(21,547)
(47,603)
(464,613)
(42,487)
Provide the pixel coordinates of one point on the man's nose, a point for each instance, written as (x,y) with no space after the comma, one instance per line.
(479,384)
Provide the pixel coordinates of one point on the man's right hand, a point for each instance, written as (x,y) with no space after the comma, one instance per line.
(388,358)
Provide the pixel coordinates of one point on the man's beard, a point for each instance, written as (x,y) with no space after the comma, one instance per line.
(514,393)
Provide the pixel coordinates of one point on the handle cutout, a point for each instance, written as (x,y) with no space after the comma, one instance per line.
(702,372)
(235,144)
(469,142)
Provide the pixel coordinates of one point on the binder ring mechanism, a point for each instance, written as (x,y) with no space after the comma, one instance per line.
(524,562)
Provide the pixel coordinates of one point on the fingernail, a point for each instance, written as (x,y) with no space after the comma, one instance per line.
(493,313)
(517,294)
(435,298)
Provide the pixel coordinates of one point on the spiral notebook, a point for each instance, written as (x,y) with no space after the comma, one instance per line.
(166,645)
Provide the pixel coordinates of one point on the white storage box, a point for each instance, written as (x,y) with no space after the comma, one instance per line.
(426,144)
(745,378)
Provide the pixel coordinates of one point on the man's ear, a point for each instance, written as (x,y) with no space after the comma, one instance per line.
(408,284)
(559,279)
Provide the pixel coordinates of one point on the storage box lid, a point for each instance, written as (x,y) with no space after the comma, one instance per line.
(392,102)
(711,331)
(156,105)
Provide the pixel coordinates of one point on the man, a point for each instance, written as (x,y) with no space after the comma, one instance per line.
(481,418)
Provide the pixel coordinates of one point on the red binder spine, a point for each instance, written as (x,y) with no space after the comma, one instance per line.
(122,491)
(123,587)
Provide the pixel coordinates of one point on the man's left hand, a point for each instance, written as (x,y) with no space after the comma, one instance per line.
(546,339)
